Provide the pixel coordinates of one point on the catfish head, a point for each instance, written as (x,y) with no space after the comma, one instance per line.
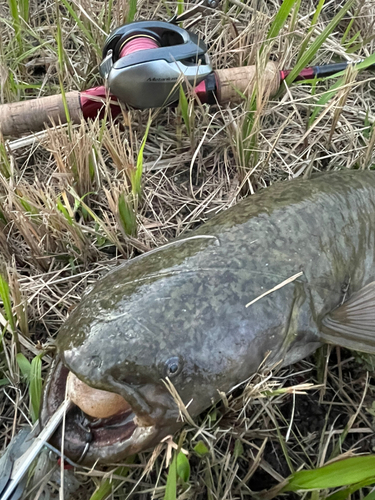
(178,314)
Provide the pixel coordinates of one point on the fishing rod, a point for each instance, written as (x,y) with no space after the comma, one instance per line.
(142,64)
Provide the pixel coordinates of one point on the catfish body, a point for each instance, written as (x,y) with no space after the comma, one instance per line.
(181,311)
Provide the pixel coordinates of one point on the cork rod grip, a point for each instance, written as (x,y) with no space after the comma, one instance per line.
(233,82)
(22,117)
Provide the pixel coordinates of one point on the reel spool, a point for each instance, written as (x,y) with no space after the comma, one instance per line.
(143,61)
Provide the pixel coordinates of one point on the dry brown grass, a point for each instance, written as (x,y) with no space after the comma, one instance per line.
(60,228)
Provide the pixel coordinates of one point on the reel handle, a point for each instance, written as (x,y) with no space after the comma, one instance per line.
(22,117)
(232,82)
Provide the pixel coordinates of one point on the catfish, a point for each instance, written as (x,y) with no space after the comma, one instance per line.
(275,277)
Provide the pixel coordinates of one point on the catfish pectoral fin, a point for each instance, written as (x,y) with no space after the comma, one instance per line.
(352,324)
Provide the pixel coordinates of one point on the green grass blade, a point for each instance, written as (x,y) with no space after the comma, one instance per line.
(311,29)
(370,496)
(132,11)
(366,63)
(180,7)
(60,54)
(327,96)
(82,27)
(171,486)
(108,16)
(5,297)
(294,16)
(356,15)
(317,13)
(280,19)
(184,108)
(13,7)
(5,165)
(24,9)
(78,202)
(127,214)
(24,364)
(137,176)
(26,55)
(108,485)
(60,206)
(2,217)
(36,382)
(346,492)
(341,473)
(309,54)
(358,46)
(351,41)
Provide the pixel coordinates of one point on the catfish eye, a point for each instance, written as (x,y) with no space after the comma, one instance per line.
(172,366)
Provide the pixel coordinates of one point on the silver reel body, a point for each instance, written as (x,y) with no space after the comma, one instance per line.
(151,78)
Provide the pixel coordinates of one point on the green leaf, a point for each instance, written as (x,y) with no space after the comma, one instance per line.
(183,467)
(24,364)
(171,486)
(238,448)
(35,387)
(341,473)
(201,449)
(4,381)
(309,54)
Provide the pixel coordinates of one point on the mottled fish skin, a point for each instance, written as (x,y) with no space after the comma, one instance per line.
(188,299)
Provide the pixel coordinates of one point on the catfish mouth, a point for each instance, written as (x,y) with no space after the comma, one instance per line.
(88,439)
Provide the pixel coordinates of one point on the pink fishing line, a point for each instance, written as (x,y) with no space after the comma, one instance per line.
(140,43)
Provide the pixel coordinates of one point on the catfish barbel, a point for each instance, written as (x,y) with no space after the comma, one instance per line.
(305,249)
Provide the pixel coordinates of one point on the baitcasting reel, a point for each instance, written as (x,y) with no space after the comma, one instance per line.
(143,61)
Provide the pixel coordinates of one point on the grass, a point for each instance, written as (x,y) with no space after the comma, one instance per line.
(84,197)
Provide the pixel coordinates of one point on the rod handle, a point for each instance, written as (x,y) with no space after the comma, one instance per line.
(232,82)
(28,116)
